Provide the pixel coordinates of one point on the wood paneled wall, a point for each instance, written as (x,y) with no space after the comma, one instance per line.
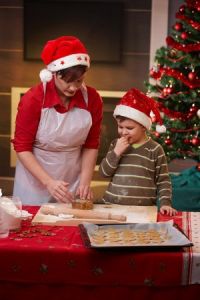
(15,72)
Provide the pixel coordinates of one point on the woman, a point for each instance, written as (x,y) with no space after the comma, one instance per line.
(57,128)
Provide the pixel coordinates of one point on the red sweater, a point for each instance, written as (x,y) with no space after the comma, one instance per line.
(29,111)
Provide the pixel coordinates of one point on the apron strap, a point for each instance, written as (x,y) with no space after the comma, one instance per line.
(84,93)
(44,90)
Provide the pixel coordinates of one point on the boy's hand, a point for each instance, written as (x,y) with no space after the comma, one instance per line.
(168,210)
(121,146)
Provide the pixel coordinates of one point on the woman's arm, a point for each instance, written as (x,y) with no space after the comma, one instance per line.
(57,188)
(89,157)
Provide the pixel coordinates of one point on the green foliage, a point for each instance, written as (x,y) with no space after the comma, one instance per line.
(178,93)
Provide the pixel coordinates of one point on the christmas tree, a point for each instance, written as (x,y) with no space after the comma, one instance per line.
(175,85)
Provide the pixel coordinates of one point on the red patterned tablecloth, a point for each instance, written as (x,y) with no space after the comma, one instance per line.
(47,255)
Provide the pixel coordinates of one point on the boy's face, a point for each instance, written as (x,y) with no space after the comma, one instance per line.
(133,131)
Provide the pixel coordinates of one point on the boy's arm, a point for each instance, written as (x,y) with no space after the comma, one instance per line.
(163,182)
(109,164)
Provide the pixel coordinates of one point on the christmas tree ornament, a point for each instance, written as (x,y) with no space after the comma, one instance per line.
(165,92)
(169,90)
(186,141)
(173,52)
(182,9)
(155,74)
(184,35)
(157,134)
(198,167)
(193,109)
(168,142)
(196,141)
(198,113)
(192,75)
(178,26)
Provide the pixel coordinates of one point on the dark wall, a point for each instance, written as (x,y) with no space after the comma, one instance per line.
(16,72)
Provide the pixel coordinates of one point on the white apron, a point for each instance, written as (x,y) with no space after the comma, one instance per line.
(58,150)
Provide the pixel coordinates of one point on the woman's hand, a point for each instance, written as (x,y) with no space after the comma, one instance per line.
(121,146)
(168,210)
(58,189)
(84,192)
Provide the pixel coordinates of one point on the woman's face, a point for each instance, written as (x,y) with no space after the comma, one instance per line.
(68,88)
(135,132)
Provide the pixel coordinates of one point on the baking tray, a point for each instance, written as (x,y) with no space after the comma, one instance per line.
(136,235)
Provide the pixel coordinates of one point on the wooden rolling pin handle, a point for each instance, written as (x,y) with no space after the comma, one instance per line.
(120,218)
(82,214)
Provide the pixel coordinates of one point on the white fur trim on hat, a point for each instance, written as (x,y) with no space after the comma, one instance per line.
(134,114)
(69,61)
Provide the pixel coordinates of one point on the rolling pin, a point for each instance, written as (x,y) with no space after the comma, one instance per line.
(81,214)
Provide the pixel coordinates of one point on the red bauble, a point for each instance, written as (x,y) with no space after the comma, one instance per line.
(193,109)
(151,72)
(182,9)
(189,116)
(157,134)
(168,142)
(178,26)
(198,167)
(154,74)
(169,90)
(186,141)
(192,76)
(165,92)
(184,35)
(195,141)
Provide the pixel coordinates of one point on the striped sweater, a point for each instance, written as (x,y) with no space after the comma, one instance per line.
(139,177)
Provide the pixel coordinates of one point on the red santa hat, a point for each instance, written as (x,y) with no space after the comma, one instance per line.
(137,106)
(61,53)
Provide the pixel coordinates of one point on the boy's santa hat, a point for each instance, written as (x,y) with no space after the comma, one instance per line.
(61,53)
(137,106)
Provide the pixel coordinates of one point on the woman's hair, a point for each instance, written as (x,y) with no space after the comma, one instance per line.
(72,73)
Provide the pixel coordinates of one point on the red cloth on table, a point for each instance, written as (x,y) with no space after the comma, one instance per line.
(57,255)
(45,262)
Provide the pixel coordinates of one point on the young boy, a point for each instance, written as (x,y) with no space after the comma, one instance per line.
(136,163)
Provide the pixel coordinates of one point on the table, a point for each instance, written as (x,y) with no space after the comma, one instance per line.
(47,262)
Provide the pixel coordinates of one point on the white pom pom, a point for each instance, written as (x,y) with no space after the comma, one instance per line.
(198,113)
(160,128)
(45,75)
